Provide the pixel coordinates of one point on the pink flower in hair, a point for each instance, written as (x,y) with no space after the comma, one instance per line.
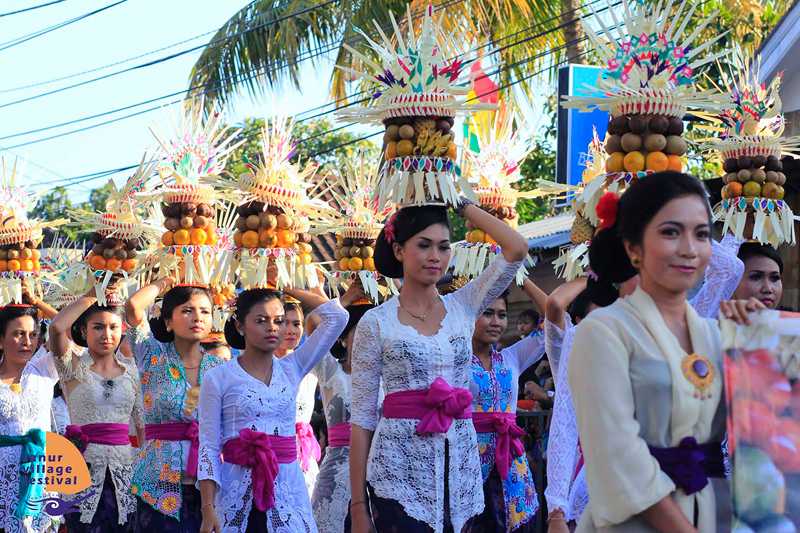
(389,230)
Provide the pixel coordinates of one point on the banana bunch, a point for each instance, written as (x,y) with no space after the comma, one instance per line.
(431,141)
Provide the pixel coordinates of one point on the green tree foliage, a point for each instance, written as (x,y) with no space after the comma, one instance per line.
(56,204)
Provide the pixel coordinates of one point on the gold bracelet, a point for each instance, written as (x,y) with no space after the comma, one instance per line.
(359,502)
(206,505)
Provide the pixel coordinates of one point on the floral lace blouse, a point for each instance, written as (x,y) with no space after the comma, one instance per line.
(23,407)
(402,465)
(167,396)
(231,400)
(93,399)
(495,391)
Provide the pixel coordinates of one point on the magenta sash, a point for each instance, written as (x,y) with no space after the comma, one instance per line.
(99,433)
(509,434)
(307,445)
(435,407)
(339,435)
(177,431)
(262,453)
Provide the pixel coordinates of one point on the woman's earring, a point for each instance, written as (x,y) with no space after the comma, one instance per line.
(636,262)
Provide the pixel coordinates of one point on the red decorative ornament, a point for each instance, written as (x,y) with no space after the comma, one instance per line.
(606,209)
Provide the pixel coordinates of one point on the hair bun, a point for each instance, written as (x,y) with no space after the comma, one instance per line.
(608,258)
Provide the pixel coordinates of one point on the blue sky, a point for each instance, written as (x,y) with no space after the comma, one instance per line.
(132,28)
(129,29)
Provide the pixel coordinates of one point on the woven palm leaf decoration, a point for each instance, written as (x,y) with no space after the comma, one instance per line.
(492,171)
(357,219)
(416,98)
(277,204)
(20,239)
(194,154)
(751,145)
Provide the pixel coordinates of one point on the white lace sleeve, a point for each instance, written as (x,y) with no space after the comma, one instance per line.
(525,353)
(334,319)
(42,364)
(209,411)
(562,450)
(366,372)
(553,341)
(722,276)
(326,368)
(476,295)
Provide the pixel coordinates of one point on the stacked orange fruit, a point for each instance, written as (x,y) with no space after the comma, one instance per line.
(113,254)
(262,226)
(637,143)
(20,257)
(354,254)
(189,223)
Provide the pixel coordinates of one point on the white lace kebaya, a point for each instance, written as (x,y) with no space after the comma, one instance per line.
(402,465)
(232,400)
(93,399)
(331,498)
(23,407)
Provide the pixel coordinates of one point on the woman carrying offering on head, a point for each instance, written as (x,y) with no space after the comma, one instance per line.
(26,392)
(510,495)
(763,274)
(307,445)
(172,366)
(649,411)
(416,468)
(247,418)
(103,396)
(331,498)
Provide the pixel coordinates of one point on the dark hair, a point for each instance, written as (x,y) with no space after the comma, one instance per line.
(754,249)
(213,345)
(293,306)
(244,303)
(640,202)
(356,313)
(10,312)
(530,314)
(78,337)
(174,298)
(406,223)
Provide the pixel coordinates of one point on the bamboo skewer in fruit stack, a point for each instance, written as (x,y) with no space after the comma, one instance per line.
(573,260)
(272,237)
(647,86)
(194,157)
(492,171)
(357,220)
(119,235)
(751,148)
(417,101)
(20,240)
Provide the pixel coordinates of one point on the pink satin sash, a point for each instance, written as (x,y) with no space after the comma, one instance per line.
(509,437)
(99,433)
(435,407)
(339,435)
(307,445)
(176,431)
(263,454)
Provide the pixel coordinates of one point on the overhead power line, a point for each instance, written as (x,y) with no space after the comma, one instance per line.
(161,59)
(44,31)
(252,75)
(25,10)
